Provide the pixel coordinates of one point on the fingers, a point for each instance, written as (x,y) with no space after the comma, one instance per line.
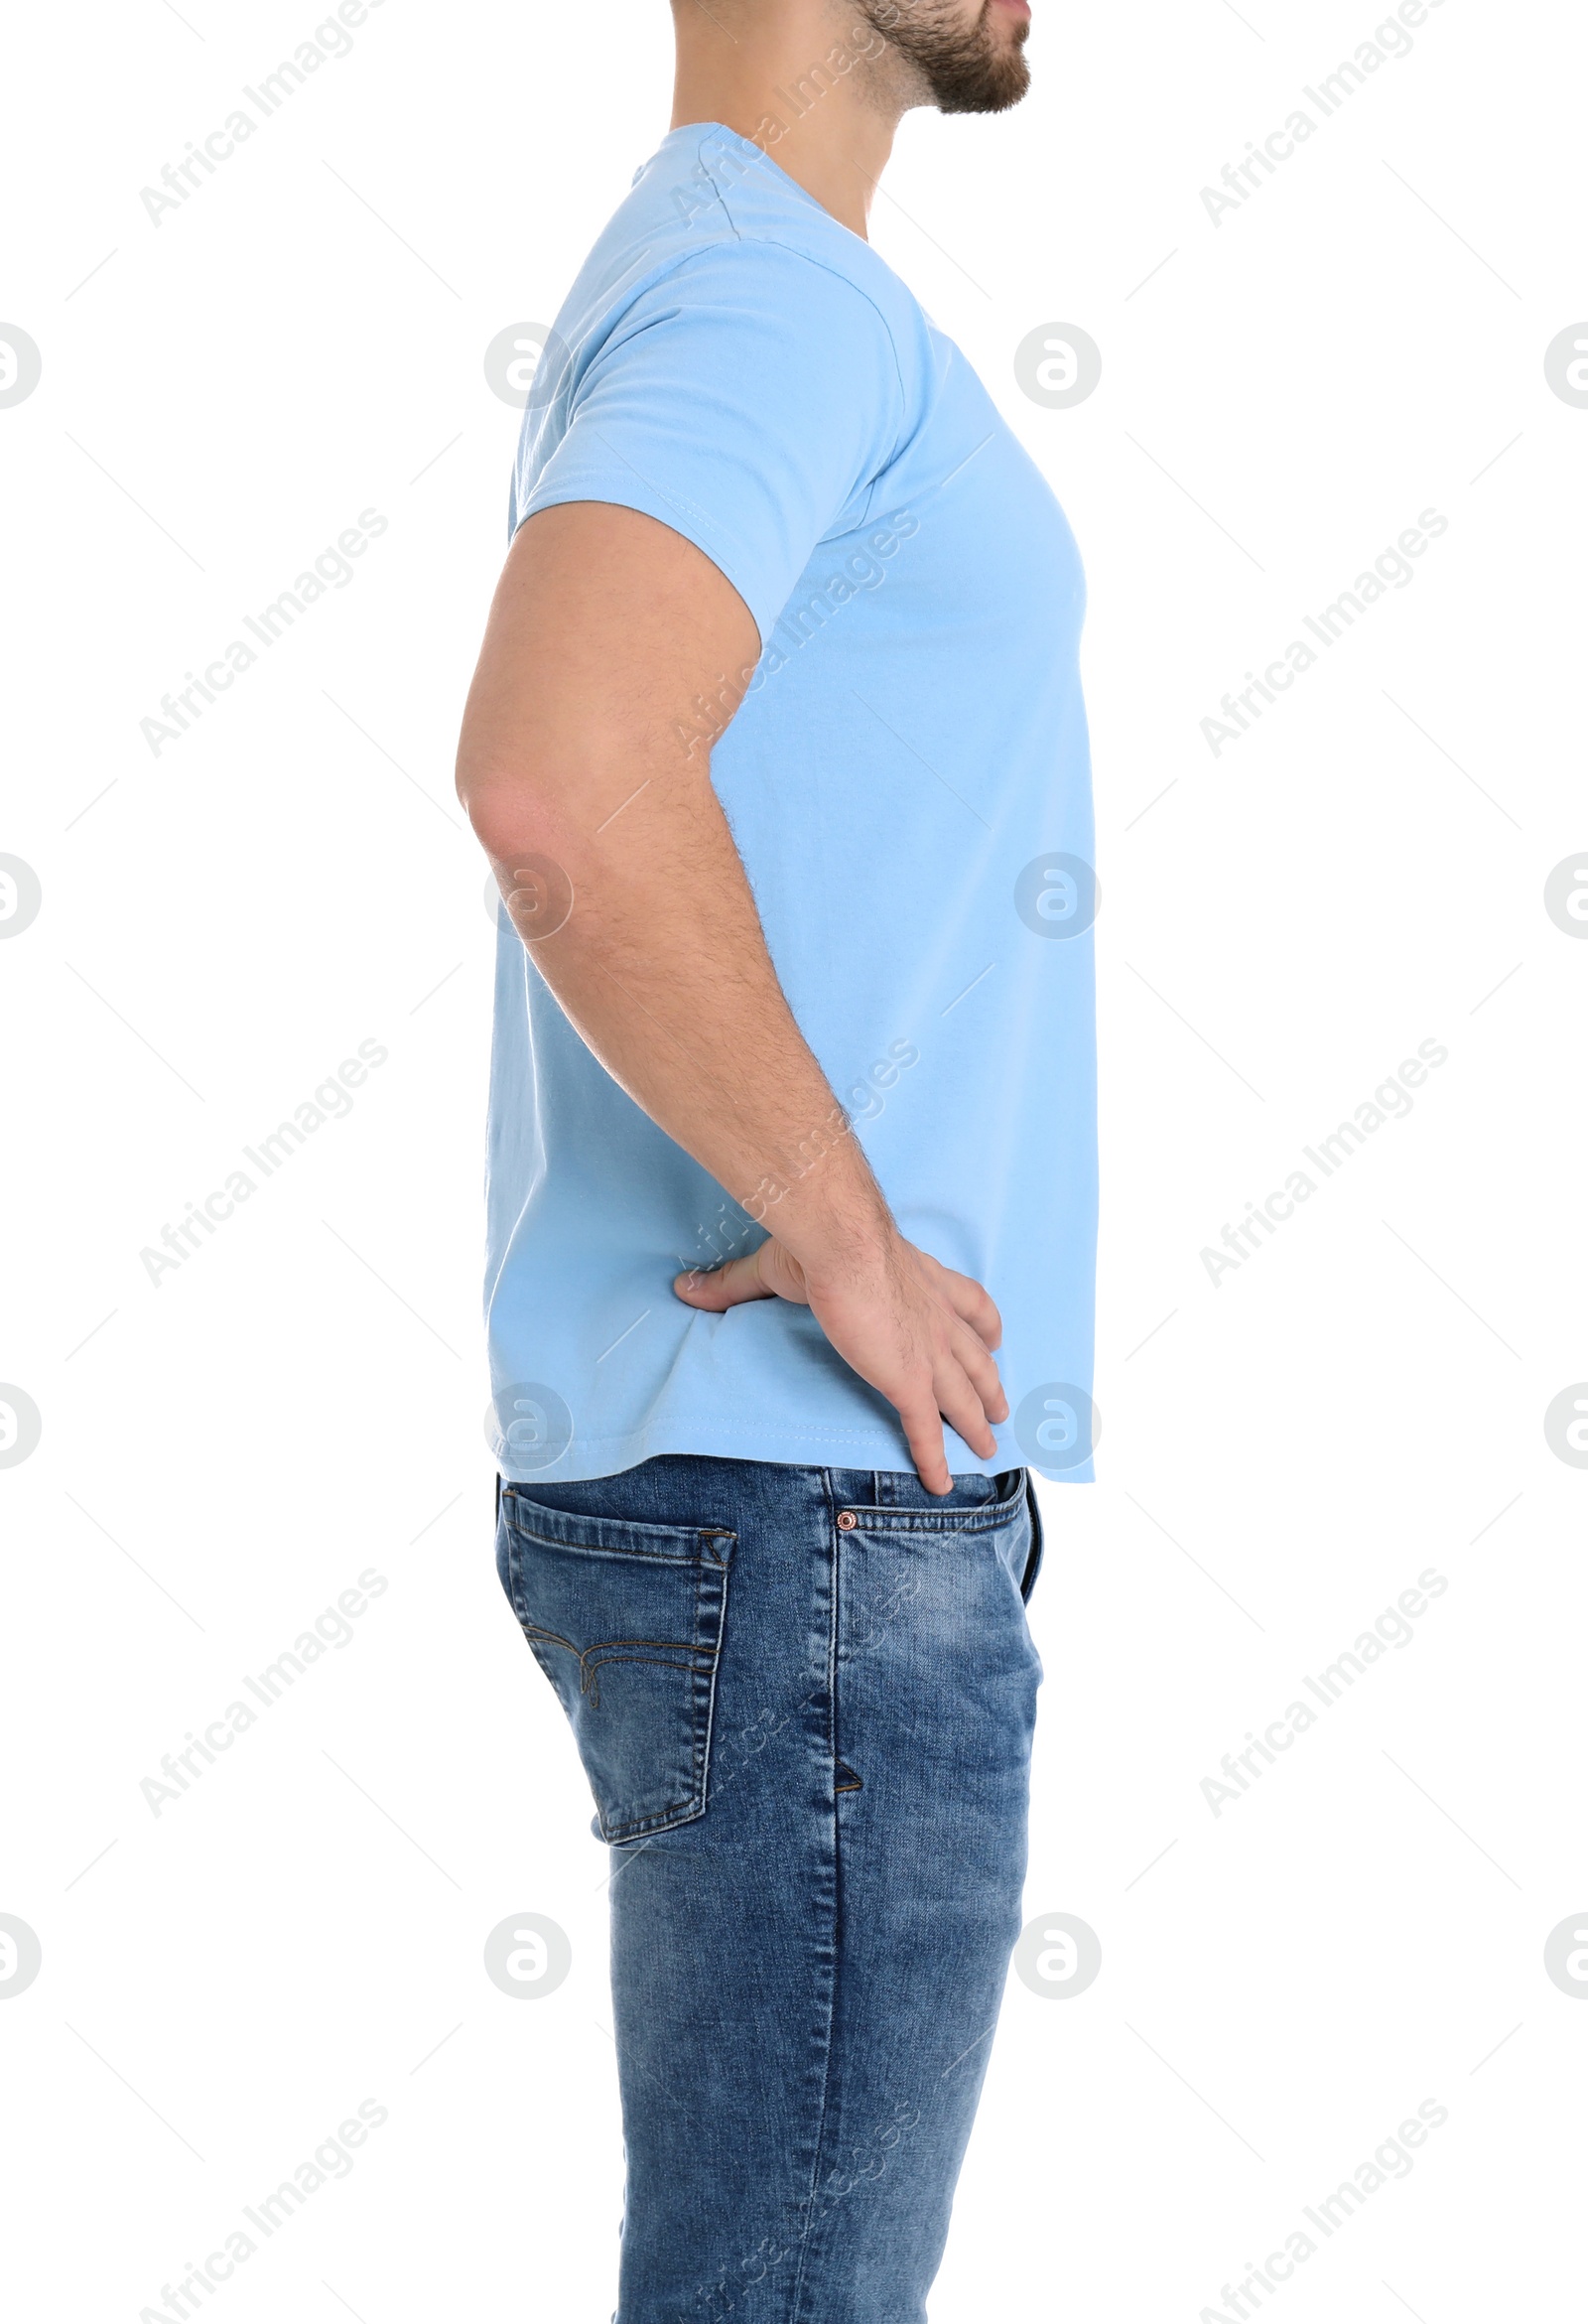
(724,1286)
(962,1408)
(974,1360)
(969,1395)
(923,1433)
(920,1332)
(964,1397)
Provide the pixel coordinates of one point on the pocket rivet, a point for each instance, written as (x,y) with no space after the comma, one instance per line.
(847,1520)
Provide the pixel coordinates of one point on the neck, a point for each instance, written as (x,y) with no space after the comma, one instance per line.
(809,82)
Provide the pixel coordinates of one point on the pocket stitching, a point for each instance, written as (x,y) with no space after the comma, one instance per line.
(591,1657)
(704,1537)
(938,1525)
(601,1550)
(985,1517)
(705,1560)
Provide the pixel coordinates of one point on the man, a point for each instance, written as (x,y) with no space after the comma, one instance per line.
(777,748)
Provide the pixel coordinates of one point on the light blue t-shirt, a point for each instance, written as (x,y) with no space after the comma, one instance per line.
(907,780)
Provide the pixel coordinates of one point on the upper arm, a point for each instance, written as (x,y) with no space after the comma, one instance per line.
(606,626)
(715,428)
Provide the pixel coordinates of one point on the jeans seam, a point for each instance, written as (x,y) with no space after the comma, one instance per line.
(797,2291)
(1034,1558)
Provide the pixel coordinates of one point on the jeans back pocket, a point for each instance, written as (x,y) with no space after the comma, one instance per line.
(626,1622)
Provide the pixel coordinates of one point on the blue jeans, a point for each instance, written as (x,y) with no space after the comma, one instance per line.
(804,1700)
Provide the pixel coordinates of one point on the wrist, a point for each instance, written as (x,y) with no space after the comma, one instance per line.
(839,1241)
(826,1208)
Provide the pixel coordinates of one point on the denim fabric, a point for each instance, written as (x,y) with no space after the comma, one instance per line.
(804,1698)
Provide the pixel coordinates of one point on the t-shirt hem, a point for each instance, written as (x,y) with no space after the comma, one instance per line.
(589,1458)
(689,522)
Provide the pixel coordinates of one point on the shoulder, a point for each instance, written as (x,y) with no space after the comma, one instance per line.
(713,222)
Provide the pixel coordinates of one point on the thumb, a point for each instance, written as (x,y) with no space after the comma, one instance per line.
(724,1286)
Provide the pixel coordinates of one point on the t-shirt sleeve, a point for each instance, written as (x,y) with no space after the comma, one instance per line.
(748,398)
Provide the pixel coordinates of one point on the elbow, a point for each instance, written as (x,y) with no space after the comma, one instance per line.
(527,841)
(508,810)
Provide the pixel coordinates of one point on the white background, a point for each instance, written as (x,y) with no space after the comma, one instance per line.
(221,1456)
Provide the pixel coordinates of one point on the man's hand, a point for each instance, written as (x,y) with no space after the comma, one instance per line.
(915,1329)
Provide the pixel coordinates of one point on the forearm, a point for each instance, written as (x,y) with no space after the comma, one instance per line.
(662,968)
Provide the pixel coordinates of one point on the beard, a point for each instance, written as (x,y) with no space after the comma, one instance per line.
(967,69)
